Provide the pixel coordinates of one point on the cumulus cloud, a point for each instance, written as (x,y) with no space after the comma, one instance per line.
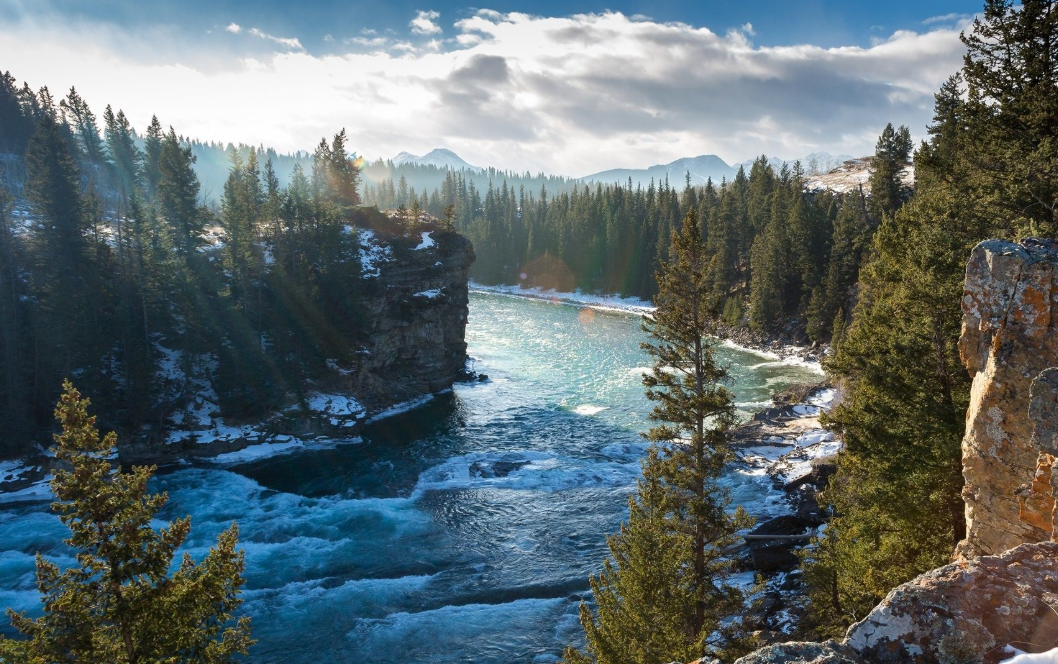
(234,28)
(571,95)
(425,23)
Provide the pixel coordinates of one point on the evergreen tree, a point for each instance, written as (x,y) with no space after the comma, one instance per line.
(177,190)
(126,157)
(681,506)
(892,153)
(83,123)
(1011,73)
(643,601)
(120,602)
(152,155)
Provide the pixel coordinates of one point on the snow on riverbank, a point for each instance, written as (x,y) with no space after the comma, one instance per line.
(22,479)
(576,298)
(785,448)
(1019,657)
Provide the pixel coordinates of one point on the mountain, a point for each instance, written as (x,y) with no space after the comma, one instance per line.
(701,168)
(708,166)
(440,157)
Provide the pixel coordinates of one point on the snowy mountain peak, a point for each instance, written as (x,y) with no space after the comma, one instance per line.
(439,157)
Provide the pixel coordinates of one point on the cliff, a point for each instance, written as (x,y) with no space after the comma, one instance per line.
(1009,336)
(415,318)
(410,325)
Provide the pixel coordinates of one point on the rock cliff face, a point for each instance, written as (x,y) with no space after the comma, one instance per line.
(415,317)
(1009,336)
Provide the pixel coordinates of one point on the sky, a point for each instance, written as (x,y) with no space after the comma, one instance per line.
(571,87)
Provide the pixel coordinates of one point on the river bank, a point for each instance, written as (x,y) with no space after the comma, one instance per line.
(777,347)
(785,447)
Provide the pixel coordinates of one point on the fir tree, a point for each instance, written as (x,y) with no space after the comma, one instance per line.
(680,505)
(892,153)
(120,603)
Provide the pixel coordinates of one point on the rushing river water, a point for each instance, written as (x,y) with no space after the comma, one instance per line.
(463,531)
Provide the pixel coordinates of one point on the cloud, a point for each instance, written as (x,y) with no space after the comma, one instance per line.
(234,28)
(948,18)
(570,95)
(425,23)
(748,29)
(289,42)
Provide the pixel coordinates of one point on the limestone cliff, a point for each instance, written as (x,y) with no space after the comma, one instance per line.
(1009,336)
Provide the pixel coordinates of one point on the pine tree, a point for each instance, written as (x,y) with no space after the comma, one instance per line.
(892,153)
(83,122)
(126,157)
(643,602)
(689,451)
(177,190)
(120,603)
(1011,73)
(152,155)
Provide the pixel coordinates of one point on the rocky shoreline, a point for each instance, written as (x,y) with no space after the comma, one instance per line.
(788,448)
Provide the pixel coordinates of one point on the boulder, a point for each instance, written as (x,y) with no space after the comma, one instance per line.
(966,611)
(797,652)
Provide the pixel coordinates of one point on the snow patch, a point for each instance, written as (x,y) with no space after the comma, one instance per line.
(427,241)
(402,407)
(1019,657)
(576,298)
(372,254)
(335,405)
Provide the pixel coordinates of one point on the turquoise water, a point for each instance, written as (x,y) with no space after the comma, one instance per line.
(463,531)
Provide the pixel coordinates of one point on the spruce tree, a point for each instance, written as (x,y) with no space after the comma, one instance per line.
(892,153)
(680,505)
(121,603)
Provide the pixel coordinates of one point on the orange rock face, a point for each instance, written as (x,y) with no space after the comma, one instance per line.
(1036,499)
(1009,337)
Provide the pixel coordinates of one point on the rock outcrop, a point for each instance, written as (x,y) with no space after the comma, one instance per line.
(415,318)
(963,612)
(798,652)
(1009,336)
(966,611)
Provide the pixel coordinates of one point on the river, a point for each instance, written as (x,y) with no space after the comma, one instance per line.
(462,531)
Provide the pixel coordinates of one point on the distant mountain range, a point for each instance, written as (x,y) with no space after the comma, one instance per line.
(440,157)
(701,168)
(709,166)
